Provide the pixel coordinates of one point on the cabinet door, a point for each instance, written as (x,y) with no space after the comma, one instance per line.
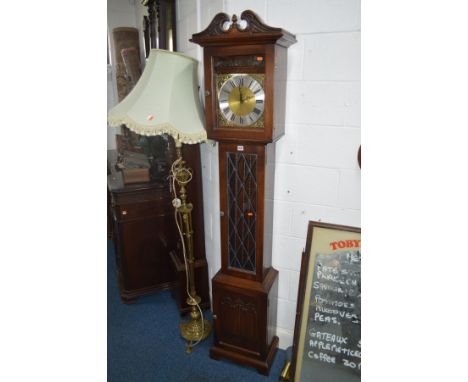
(144,246)
(238,322)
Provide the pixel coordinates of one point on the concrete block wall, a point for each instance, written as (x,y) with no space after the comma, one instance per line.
(317,175)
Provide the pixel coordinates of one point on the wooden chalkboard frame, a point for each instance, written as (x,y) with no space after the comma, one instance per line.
(303,278)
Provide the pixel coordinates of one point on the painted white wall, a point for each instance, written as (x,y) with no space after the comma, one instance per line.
(317,175)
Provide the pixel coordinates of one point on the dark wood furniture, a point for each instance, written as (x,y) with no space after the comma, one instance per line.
(145,233)
(250,63)
(245,290)
(159,27)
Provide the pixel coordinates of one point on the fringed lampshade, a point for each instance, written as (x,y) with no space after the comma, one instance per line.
(165,100)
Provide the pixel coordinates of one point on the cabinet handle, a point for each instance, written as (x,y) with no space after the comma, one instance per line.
(214,316)
(124,212)
(221,213)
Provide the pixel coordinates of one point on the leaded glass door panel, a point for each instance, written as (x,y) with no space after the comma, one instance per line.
(241,183)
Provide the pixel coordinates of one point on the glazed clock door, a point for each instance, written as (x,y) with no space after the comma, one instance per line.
(241,93)
(241,197)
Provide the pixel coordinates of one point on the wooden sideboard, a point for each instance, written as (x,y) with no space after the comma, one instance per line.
(144,232)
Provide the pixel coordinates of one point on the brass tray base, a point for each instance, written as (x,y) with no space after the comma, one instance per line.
(193,331)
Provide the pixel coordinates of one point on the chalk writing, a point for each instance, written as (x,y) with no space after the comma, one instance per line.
(333,330)
(321,357)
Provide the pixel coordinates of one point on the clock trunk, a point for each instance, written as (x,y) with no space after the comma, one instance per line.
(246,181)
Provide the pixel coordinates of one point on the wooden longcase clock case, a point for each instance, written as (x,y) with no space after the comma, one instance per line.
(245,72)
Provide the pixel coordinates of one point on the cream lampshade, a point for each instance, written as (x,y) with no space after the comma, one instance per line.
(165,100)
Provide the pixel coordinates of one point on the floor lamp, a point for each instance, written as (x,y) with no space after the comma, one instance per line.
(166,101)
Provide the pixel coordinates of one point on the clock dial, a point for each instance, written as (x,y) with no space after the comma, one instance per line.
(241,100)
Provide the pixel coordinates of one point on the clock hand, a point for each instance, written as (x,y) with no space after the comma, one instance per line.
(240,95)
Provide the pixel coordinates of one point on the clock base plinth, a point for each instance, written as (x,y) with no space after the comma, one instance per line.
(244,319)
(262,365)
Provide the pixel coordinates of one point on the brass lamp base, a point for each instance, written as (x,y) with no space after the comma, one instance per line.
(194,329)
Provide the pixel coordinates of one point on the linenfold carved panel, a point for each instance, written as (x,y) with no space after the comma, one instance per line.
(239,319)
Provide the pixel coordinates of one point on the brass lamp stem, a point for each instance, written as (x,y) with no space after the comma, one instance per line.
(196,329)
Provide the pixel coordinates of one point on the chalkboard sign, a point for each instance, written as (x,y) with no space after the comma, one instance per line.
(327,334)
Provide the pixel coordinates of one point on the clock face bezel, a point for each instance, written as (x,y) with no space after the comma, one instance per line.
(227,61)
(235,112)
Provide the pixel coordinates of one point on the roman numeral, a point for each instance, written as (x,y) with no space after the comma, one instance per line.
(233,117)
(226,110)
(241,120)
(256,111)
(241,81)
(259,101)
(256,91)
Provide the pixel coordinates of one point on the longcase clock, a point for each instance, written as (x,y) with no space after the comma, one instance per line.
(245,86)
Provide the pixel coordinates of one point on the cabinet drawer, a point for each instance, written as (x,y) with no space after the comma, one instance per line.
(141,210)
